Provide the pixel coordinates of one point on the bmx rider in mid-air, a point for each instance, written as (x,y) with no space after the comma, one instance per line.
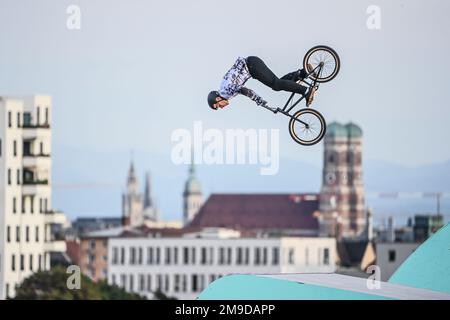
(253,67)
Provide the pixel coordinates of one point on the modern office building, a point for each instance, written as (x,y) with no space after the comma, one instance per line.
(181,262)
(26,215)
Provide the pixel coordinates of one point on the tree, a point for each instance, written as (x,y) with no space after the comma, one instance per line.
(52,285)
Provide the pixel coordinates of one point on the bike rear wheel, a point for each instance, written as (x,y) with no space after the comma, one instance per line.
(311,130)
(325,56)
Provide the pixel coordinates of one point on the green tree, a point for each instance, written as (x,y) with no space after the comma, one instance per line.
(52,285)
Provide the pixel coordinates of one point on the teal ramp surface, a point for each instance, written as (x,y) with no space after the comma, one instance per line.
(428,267)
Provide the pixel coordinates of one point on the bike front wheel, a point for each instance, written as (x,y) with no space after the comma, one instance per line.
(307,127)
(325,61)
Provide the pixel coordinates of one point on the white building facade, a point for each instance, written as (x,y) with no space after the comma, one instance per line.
(182,267)
(26,216)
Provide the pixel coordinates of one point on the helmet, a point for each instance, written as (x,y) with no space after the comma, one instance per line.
(212,98)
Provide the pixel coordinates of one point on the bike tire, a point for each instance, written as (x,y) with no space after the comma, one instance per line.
(296,137)
(330,51)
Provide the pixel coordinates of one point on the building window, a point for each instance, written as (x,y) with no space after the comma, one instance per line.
(113,279)
(39,262)
(275,256)
(132,255)
(27,234)
(201,281)
(185,255)
(176,286)
(122,255)
(41,148)
(211,255)
(141,283)
(247,256)
(0,147)
(158,255)
(239,256)
(184,284)
(229,256)
(14,148)
(31,262)
(194,283)
(38,113)
(149,282)
(221,255)
(115,256)
(22,262)
(257,256)
(140,254)
(23,204)
(92,244)
(13,262)
(175,255)
(131,282)
(150,255)
(391,255)
(167,256)
(166,283)
(159,282)
(326,256)
(291,256)
(264,256)
(193,257)
(14,205)
(17,233)
(18,119)
(18,176)
(8,234)
(203,255)
(9,176)
(37,234)
(123,280)
(9,119)
(32,204)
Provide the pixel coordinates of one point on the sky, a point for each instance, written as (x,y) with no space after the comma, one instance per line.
(137,70)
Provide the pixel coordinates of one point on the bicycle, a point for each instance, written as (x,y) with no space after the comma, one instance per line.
(307,126)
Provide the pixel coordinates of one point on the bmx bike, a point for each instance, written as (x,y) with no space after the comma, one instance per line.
(307,126)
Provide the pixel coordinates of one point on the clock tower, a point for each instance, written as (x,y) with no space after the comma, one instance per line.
(342,194)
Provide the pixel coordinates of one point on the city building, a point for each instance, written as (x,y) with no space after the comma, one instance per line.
(192,196)
(390,255)
(426,225)
(137,208)
(27,219)
(342,192)
(182,262)
(269,214)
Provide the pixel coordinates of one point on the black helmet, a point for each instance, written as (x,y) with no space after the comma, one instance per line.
(212,98)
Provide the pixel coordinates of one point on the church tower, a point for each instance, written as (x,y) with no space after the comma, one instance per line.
(192,196)
(342,194)
(131,201)
(150,210)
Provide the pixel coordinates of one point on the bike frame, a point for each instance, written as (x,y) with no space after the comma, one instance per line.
(286,109)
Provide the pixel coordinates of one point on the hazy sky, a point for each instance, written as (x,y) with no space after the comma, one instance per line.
(137,70)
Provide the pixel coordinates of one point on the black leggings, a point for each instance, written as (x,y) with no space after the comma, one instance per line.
(259,71)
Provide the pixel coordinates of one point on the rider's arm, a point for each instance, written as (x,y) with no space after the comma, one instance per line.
(252,95)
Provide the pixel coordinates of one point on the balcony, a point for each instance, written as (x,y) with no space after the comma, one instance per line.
(35,182)
(54,217)
(36,126)
(55,246)
(31,188)
(36,160)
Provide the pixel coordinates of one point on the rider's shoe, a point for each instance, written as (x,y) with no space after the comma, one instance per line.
(310,96)
(310,68)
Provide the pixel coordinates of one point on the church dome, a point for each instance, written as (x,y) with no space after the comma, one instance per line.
(353,130)
(337,130)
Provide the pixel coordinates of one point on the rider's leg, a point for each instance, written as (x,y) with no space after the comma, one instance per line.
(295,75)
(259,71)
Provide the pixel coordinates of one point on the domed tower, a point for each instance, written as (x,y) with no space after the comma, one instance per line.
(131,201)
(342,194)
(192,196)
